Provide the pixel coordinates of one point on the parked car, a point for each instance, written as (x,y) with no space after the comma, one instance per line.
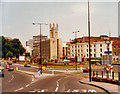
(7,66)
(10,63)
(86,70)
(27,65)
(1,72)
(11,69)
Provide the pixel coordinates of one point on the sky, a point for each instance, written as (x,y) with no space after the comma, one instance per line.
(17,18)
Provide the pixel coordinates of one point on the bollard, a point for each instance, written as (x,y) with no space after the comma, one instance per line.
(113,75)
(107,74)
(119,76)
(52,72)
(96,73)
(81,68)
(66,70)
(16,68)
(102,74)
(43,68)
(93,73)
(39,74)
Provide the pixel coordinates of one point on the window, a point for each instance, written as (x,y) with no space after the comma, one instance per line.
(100,55)
(78,54)
(72,51)
(87,55)
(78,46)
(75,46)
(114,53)
(94,55)
(81,55)
(90,45)
(87,50)
(75,50)
(94,45)
(100,45)
(73,55)
(94,50)
(72,47)
(81,45)
(91,55)
(90,50)
(87,45)
(114,47)
(81,50)
(78,50)
(100,50)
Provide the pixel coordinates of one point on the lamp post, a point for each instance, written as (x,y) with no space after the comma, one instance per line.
(76,47)
(89,42)
(40,60)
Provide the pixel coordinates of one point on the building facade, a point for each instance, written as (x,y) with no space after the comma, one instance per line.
(51,48)
(98,46)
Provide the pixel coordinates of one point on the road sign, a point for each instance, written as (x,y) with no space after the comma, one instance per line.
(39,71)
(108,68)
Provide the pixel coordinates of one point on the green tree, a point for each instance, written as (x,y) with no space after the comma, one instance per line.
(12,45)
(9,54)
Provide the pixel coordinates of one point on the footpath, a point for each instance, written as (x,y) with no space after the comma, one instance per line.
(109,88)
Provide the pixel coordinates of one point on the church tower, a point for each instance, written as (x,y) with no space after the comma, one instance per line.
(54,31)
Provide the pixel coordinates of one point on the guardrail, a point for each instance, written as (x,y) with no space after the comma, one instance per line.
(105,76)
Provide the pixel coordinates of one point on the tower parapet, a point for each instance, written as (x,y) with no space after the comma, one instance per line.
(53,30)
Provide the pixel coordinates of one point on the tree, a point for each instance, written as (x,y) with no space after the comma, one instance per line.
(11,45)
(9,54)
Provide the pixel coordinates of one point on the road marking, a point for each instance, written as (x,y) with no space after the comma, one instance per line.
(18,89)
(91,90)
(56,89)
(11,79)
(42,90)
(57,85)
(32,78)
(68,90)
(75,91)
(27,85)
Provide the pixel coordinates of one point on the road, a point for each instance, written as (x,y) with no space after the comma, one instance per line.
(61,82)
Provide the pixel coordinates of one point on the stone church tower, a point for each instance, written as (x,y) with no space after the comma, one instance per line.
(54,31)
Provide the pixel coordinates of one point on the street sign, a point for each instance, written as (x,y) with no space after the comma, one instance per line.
(39,71)
(108,68)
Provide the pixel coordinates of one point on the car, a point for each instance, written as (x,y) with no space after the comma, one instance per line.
(10,63)
(7,66)
(1,72)
(11,69)
(27,65)
(86,70)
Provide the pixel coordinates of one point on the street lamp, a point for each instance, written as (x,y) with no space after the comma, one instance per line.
(89,43)
(40,60)
(76,47)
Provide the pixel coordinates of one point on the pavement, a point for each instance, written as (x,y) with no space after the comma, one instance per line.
(109,88)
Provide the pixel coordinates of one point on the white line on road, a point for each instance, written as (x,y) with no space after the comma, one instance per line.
(57,85)
(18,89)
(56,89)
(11,79)
(27,85)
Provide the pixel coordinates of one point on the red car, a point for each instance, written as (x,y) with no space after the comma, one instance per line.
(11,69)
(86,70)
(7,66)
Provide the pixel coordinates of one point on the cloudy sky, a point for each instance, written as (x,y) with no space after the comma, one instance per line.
(17,18)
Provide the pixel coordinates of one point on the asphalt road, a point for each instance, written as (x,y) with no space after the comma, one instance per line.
(14,80)
(61,82)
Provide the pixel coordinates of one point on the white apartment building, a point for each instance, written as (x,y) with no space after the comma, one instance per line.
(82,49)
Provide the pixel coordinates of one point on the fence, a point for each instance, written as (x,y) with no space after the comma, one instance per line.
(104,74)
